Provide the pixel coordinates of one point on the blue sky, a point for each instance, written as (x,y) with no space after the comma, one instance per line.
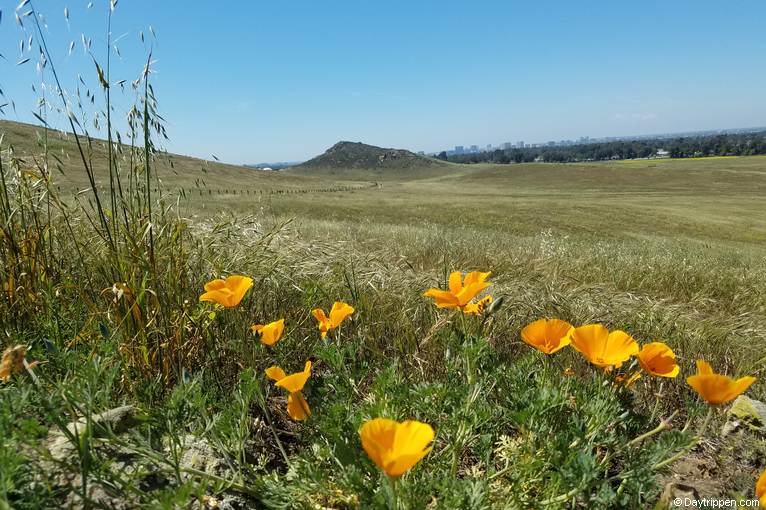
(256,81)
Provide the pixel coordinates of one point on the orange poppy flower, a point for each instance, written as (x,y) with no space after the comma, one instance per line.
(297,407)
(338,314)
(658,359)
(602,348)
(270,333)
(547,335)
(715,388)
(461,290)
(760,489)
(227,292)
(396,447)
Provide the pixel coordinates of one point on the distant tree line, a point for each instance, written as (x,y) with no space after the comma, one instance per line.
(739,144)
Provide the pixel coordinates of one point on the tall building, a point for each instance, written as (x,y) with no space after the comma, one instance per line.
(459,149)
(489,147)
(520,145)
(507,145)
(474,148)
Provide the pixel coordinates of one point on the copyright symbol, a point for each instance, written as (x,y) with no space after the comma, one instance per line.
(678,502)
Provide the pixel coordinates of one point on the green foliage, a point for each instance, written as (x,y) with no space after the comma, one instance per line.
(519,435)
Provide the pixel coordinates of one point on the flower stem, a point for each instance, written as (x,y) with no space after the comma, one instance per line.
(546,366)
(695,441)
(657,395)
(706,422)
(664,425)
(393,502)
(561,498)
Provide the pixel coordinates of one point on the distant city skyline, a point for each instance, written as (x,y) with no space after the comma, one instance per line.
(269,81)
(468,149)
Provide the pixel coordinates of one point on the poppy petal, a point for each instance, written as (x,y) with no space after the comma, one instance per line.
(295,382)
(547,335)
(377,436)
(216,284)
(339,313)
(658,359)
(589,340)
(455,283)
(275,373)
(396,447)
(620,347)
(704,368)
(442,298)
(469,292)
(319,314)
(401,464)
(297,407)
(475,277)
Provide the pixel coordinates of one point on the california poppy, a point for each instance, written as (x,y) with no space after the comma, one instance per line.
(461,290)
(658,359)
(760,489)
(715,388)
(227,292)
(13,362)
(396,447)
(602,348)
(270,333)
(338,314)
(547,335)
(297,407)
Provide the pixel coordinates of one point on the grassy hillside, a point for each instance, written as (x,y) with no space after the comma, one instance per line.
(173,170)
(665,250)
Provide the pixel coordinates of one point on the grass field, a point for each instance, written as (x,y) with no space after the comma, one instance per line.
(668,250)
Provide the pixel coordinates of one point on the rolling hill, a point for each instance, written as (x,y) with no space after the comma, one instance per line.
(344,161)
(175,171)
(352,157)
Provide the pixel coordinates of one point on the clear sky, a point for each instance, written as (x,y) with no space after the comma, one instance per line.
(255,81)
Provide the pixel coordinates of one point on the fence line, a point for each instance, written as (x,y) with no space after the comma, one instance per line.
(187,192)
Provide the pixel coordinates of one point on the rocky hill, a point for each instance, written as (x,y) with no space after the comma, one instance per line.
(357,155)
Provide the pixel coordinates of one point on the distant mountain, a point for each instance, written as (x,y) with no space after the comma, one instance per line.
(360,156)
